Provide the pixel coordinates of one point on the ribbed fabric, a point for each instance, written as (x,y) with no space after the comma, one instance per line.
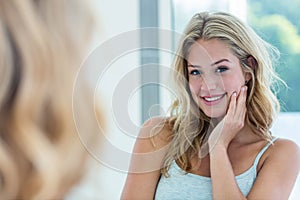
(182,185)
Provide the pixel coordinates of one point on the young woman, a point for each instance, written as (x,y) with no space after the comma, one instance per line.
(216,144)
(41,48)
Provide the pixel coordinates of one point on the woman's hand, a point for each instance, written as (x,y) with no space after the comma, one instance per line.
(232,123)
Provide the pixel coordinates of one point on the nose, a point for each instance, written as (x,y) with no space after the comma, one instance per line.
(210,83)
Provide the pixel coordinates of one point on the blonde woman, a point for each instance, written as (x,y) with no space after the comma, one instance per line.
(216,144)
(41,48)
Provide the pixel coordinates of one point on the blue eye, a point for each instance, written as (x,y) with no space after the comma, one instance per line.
(195,72)
(222,69)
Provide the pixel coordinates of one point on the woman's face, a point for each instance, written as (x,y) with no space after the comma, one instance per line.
(214,74)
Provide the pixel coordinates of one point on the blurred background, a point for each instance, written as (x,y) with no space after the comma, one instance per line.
(132,88)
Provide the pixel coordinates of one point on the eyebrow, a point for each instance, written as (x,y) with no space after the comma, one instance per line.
(215,63)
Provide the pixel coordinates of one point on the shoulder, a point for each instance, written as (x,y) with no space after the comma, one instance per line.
(284,151)
(280,168)
(285,148)
(151,146)
(154,134)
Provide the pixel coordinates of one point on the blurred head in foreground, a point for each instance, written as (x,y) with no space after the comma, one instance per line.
(41,47)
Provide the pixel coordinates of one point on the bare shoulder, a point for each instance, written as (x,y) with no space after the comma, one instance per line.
(285,150)
(285,146)
(280,168)
(154,134)
(151,146)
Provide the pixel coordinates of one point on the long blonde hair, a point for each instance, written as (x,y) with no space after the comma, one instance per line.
(190,124)
(41,47)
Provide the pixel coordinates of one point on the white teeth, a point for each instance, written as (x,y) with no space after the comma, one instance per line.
(213,98)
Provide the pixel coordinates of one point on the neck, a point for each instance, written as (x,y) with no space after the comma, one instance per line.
(245,135)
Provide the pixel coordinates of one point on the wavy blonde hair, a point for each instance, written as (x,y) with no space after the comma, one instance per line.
(41,47)
(190,124)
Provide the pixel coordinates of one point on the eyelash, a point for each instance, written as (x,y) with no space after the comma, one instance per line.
(195,71)
(220,69)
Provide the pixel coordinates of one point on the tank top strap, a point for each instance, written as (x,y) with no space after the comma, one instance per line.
(263,151)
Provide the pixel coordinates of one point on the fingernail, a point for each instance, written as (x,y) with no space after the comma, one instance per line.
(234,94)
(244,88)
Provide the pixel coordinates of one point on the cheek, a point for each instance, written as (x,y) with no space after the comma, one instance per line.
(194,89)
(233,84)
(194,86)
(231,87)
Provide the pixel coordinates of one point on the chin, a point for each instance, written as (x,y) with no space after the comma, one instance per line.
(215,113)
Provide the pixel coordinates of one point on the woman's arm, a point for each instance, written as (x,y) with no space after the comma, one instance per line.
(146,162)
(224,185)
(278,173)
(275,179)
(279,169)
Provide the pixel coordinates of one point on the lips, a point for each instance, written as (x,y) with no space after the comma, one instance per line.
(214,99)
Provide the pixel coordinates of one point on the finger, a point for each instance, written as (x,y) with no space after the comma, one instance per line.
(241,99)
(232,105)
(241,102)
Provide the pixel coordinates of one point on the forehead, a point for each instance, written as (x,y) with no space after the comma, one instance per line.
(205,52)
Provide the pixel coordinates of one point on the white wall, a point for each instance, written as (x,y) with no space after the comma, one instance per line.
(105,178)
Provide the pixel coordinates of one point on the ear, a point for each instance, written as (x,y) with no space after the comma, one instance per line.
(251,61)
(247,77)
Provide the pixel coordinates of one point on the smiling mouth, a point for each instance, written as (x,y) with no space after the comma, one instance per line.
(213,98)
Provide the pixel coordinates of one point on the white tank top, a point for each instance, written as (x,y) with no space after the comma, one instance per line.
(182,185)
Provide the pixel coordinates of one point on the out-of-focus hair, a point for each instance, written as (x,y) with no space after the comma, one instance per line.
(42,44)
